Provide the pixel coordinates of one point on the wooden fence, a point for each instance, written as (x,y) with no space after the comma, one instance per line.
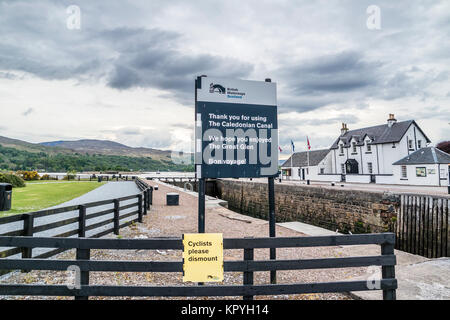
(248,266)
(423,226)
(25,224)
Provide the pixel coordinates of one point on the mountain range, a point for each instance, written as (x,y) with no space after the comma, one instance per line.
(83,155)
(106,147)
(89,146)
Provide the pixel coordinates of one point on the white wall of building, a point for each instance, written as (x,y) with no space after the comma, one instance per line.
(377,160)
(386,179)
(357,178)
(381,156)
(389,155)
(435,174)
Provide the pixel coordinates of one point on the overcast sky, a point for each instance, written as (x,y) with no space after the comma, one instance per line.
(127,74)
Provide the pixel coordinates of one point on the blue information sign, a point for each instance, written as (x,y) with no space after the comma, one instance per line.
(236,129)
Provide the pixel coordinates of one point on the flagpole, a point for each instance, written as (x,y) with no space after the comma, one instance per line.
(307,154)
(292,169)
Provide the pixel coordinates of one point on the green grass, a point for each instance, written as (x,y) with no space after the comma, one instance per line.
(36,196)
(56,181)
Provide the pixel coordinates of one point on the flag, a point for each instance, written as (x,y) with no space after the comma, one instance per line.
(293,147)
(279,148)
(309,146)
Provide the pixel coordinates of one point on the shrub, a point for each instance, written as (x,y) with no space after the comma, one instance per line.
(45,177)
(14,180)
(29,175)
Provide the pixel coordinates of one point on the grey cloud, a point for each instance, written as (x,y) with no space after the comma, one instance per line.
(328,79)
(344,71)
(139,137)
(124,57)
(322,55)
(8,75)
(27,112)
(431,112)
(169,69)
(347,118)
(184,125)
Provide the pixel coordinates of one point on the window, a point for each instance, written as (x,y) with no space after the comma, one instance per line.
(354,147)
(368,147)
(369,167)
(410,144)
(419,144)
(341,149)
(343,168)
(322,170)
(421,171)
(404,172)
(443,177)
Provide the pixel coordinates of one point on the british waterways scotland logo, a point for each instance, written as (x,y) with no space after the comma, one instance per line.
(232,93)
(216,88)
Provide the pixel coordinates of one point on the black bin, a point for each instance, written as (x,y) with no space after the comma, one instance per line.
(172,199)
(5,196)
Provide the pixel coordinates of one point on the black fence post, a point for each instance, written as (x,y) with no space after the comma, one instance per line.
(140,208)
(201,204)
(150,197)
(272,220)
(248,275)
(83,254)
(82,221)
(28,224)
(388,272)
(116,217)
(145,202)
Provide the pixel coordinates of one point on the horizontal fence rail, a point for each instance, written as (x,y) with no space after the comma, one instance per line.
(82,221)
(386,260)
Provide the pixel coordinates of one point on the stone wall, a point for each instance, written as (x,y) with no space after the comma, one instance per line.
(345,210)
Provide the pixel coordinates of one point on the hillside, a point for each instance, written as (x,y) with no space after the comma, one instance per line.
(31,147)
(83,155)
(106,147)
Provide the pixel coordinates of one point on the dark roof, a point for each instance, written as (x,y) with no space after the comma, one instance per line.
(300,159)
(428,155)
(379,134)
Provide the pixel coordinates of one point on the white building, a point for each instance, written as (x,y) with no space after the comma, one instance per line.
(307,165)
(365,155)
(427,166)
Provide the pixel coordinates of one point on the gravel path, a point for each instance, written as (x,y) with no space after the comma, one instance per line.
(173,221)
(107,191)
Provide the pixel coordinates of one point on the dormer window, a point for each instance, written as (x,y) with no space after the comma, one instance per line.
(354,147)
(410,144)
(368,146)
(419,144)
(341,149)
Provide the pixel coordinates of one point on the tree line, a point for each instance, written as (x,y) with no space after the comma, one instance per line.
(15,159)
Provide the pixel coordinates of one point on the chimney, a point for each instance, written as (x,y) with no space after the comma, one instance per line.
(344,129)
(391,120)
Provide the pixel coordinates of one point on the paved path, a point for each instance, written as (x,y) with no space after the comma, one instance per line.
(107,191)
(418,278)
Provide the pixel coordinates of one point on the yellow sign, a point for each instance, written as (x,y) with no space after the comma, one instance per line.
(202,257)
